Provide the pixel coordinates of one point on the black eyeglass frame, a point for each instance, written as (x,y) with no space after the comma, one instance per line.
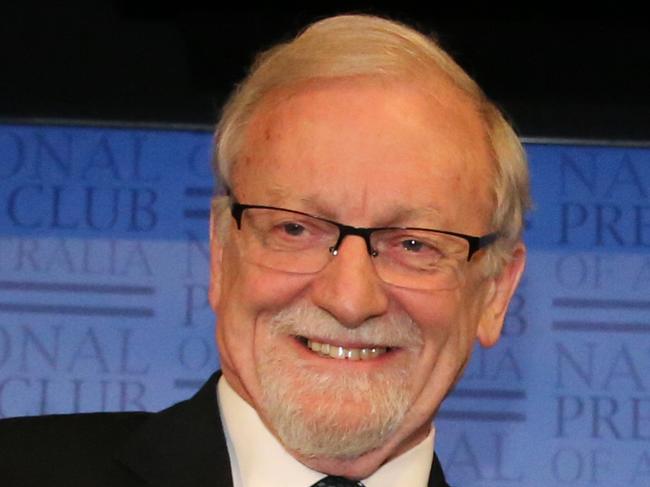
(475,243)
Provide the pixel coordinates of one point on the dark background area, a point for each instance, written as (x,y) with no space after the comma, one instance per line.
(120,61)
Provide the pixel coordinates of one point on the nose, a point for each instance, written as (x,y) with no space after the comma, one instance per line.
(348,287)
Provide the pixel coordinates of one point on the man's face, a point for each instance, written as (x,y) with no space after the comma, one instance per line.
(366,154)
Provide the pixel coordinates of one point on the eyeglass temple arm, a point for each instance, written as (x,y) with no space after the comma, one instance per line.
(477,243)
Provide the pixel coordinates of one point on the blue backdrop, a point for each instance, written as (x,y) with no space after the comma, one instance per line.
(103,287)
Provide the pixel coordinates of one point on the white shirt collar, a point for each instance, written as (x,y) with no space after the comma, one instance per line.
(257,458)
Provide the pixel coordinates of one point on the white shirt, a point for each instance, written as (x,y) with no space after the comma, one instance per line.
(257,458)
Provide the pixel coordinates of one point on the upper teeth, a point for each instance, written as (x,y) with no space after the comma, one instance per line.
(338,352)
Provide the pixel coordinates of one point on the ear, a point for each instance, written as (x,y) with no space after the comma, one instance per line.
(216,261)
(502,288)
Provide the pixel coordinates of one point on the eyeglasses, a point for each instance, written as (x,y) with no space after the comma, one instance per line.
(296,242)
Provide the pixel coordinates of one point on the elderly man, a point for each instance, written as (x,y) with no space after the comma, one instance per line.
(369,231)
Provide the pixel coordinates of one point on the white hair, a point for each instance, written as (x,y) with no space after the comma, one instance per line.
(360,45)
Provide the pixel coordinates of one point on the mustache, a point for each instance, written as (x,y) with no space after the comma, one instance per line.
(395,330)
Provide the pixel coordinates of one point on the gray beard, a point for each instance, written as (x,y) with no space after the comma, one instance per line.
(335,414)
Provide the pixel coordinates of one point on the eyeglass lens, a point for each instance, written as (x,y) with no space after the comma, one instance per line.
(296,243)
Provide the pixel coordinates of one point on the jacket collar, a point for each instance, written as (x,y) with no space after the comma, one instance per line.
(182,445)
(185,445)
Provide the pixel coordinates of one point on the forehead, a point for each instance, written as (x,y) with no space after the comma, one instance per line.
(367,148)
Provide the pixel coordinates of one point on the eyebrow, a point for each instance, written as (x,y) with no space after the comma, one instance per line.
(278,192)
(407,213)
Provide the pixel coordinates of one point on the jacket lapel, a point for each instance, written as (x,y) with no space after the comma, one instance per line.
(183,445)
(436,477)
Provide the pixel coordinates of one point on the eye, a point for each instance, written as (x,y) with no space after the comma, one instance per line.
(413,245)
(401,244)
(296,229)
(418,250)
(293,229)
(298,234)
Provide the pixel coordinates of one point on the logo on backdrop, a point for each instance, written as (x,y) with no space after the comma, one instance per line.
(85,259)
(598,318)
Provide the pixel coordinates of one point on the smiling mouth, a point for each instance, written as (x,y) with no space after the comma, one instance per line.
(343,353)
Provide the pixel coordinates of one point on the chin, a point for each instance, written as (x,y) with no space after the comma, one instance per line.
(318,414)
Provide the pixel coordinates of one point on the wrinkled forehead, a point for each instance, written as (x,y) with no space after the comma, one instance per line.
(376,135)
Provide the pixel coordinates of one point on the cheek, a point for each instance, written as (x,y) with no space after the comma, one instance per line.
(435,313)
(448,321)
(253,290)
(249,294)
(446,333)
(246,286)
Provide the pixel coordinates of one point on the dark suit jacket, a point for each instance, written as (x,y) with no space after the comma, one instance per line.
(180,446)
